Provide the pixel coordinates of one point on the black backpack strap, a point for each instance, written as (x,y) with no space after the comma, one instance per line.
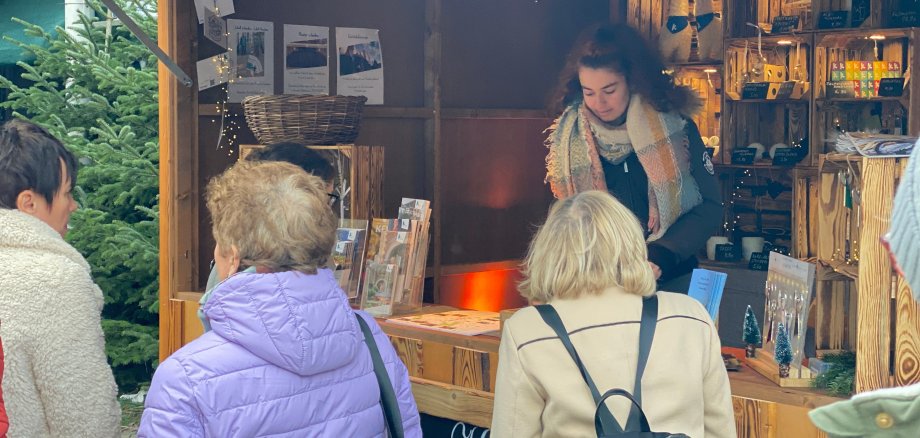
(646,336)
(643,422)
(387,395)
(603,419)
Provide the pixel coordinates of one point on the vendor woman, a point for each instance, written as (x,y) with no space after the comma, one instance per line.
(625,127)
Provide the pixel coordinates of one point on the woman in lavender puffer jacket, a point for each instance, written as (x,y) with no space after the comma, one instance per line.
(285,356)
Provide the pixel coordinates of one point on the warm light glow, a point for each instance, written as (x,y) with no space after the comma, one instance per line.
(877,37)
(710,70)
(784,42)
(486,290)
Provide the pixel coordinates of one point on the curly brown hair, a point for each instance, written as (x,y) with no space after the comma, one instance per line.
(622,49)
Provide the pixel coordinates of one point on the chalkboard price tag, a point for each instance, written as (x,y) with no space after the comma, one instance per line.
(743,156)
(760,261)
(891,87)
(726,253)
(784,24)
(755,90)
(833,19)
(786,157)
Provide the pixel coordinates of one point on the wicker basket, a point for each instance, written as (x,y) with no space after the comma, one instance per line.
(314,120)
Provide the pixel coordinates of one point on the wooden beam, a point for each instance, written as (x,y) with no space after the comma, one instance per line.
(450,401)
(913,55)
(873,344)
(433,10)
(480,267)
(178,123)
(509,114)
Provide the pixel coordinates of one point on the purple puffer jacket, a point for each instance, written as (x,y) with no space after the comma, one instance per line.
(285,358)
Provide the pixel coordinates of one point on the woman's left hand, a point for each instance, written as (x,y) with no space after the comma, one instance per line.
(655,270)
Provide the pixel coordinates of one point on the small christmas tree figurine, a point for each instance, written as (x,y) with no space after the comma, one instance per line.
(782,353)
(751,333)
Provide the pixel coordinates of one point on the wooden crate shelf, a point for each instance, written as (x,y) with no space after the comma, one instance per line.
(708,86)
(892,115)
(887,320)
(866,14)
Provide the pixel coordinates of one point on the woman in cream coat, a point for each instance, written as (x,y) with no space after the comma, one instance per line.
(589,261)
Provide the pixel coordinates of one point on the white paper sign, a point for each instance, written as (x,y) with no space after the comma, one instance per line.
(213,71)
(360,63)
(306,59)
(252,59)
(223,7)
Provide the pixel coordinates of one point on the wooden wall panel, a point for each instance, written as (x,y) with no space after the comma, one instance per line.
(471,369)
(754,418)
(493,188)
(411,352)
(508,54)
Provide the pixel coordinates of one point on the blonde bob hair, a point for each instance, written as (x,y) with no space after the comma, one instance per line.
(588,243)
(275,214)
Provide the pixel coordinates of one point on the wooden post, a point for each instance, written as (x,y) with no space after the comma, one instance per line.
(873,340)
(178,107)
(433,10)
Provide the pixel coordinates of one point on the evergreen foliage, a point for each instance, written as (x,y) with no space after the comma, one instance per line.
(751,329)
(99,96)
(783,352)
(839,379)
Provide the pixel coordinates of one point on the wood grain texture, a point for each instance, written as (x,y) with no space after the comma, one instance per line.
(873,343)
(907,336)
(438,362)
(410,352)
(801,232)
(178,123)
(471,369)
(450,401)
(754,418)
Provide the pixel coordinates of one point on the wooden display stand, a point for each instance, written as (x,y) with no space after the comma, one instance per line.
(765,364)
(896,113)
(865,280)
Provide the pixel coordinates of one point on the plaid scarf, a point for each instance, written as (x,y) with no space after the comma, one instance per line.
(658,139)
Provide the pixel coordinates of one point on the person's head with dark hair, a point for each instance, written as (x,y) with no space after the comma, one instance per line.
(298,155)
(608,64)
(37,174)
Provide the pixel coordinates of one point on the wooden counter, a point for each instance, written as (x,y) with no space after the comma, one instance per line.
(453,376)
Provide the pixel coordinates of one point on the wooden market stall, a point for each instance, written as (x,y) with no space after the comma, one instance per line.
(465,87)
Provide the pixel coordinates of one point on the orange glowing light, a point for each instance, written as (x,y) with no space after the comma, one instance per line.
(486,290)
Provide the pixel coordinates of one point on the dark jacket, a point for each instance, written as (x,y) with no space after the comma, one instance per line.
(675,252)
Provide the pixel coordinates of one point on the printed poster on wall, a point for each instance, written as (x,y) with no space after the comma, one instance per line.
(252,59)
(306,59)
(360,63)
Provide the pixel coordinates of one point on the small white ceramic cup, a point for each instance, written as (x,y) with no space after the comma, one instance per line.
(711,245)
(750,245)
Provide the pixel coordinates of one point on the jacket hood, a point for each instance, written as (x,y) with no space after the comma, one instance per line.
(299,322)
(22,231)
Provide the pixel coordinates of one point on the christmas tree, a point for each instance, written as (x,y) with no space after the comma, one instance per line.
(97,92)
(782,353)
(751,332)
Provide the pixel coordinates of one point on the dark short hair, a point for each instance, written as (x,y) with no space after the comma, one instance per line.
(297,154)
(30,159)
